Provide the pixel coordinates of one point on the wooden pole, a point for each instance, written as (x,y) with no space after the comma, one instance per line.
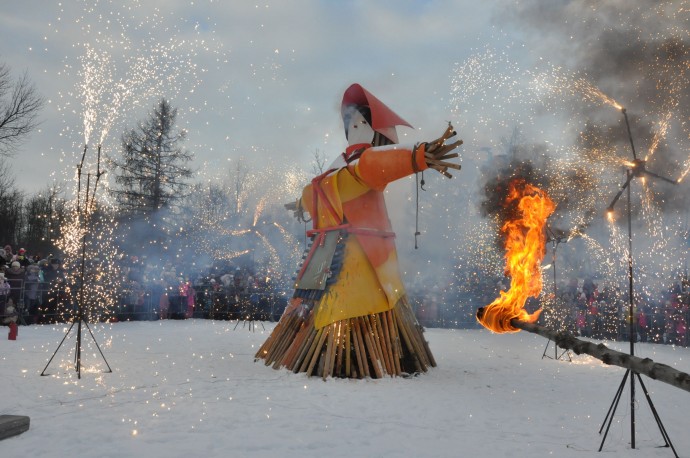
(646,366)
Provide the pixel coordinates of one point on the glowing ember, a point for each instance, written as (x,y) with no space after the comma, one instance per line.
(525,244)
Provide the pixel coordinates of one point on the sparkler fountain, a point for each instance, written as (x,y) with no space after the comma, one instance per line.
(637,169)
(83,215)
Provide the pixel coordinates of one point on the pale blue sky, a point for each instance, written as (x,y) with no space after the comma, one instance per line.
(266,78)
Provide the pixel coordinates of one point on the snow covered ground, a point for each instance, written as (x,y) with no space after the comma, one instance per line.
(191,388)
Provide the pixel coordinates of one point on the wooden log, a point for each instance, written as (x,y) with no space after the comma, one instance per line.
(329,349)
(392,343)
(418,332)
(318,341)
(294,348)
(362,347)
(383,340)
(347,349)
(295,366)
(646,366)
(395,340)
(275,353)
(263,350)
(281,335)
(370,348)
(376,340)
(13,425)
(340,349)
(441,163)
(409,340)
(356,339)
(334,348)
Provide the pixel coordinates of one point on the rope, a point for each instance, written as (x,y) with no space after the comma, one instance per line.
(416,215)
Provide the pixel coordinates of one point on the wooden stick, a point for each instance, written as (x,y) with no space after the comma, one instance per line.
(286,334)
(295,347)
(329,347)
(304,364)
(383,323)
(417,332)
(358,348)
(371,349)
(396,341)
(383,341)
(334,349)
(340,349)
(406,338)
(378,354)
(441,170)
(444,164)
(362,350)
(295,365)
(310,360)
(645,366)
(347,348)
(286,344)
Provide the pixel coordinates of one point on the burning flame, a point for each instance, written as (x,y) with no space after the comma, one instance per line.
(525,244)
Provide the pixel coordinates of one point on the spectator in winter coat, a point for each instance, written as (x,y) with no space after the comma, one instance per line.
(9,253)
(4,293)
(32,280)
(5,257)
(23,259)
(15,277)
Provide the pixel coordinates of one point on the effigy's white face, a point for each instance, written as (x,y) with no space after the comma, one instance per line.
(359,130)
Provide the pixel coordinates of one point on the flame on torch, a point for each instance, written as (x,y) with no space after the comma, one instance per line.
(525,244)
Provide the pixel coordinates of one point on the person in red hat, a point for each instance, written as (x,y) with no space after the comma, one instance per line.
(349,315)
(22,258)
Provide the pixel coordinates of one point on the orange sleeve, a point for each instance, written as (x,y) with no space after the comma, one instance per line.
(379,166)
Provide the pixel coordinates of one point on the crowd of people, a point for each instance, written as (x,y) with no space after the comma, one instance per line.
(32,290)
(224,290)
(30,285)
(585,308)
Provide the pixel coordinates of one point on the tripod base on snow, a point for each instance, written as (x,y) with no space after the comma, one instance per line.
(79,321)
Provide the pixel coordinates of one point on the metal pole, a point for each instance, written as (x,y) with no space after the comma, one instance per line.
(631,317)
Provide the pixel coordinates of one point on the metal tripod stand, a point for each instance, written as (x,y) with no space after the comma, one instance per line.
(638,169)
(80,318)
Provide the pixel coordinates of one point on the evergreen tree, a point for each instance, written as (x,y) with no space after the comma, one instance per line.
(152,172)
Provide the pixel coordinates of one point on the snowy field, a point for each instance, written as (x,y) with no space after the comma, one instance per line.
(191,388)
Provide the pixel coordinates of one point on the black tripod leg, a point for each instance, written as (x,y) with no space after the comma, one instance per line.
(612,410)
(546,348)
(566,352)
(77,351)
(664,434)
(97,346)
(58,348)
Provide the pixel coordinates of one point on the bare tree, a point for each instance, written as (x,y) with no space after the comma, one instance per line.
(11,201)
(319,164)
(152,173)
(44,215)
(19,107)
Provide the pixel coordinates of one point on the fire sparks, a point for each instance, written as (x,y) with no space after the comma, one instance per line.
(525,244)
